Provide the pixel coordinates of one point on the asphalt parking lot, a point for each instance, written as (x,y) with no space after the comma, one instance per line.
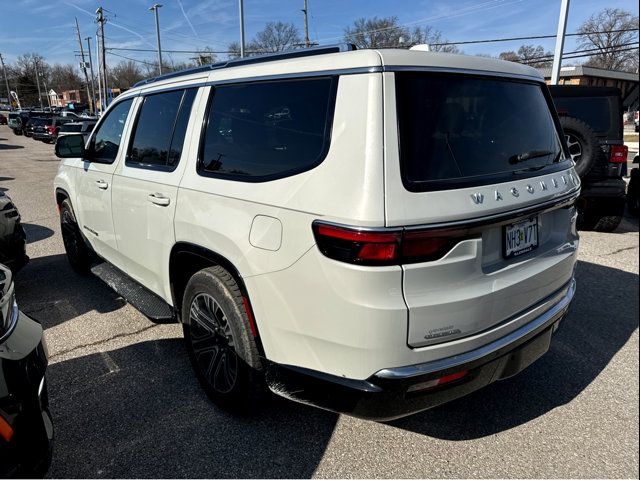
(125,403)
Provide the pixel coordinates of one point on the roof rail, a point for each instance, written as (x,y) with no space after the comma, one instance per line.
(270,57)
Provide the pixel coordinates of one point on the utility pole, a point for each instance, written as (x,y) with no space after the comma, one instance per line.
(155,8)
(99,73)
(557,56)
(241,7)
(6,81)
(306,24)
(35,63)
(100,19)
(44,82)
(93,85)
(84,68)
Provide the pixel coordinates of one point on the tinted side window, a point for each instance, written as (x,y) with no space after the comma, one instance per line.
(106,140)
(261,131)
(160,129)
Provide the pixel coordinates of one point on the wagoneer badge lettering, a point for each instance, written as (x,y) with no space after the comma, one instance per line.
(543,185)
(530,189)
(555,182)
(498,196)
(515,192)
(477,198)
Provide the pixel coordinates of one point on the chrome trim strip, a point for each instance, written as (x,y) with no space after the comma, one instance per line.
(465,71)
(552,204)
(558,202)
(544,320)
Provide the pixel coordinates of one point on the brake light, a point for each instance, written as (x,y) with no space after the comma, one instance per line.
(51,129)
(391,246)
(619,154)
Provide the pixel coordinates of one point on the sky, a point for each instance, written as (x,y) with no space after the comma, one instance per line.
(48,26)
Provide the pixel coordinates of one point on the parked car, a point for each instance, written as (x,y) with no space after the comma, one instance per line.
(373,232)
(48,130)
(82,128)
(3,119)
(26,429)
(591,118)
(12,236)
(39,119)
(15,122)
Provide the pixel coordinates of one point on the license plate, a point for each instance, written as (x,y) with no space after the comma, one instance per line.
(521,237)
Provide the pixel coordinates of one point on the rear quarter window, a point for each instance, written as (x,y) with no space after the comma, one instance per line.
(267,130)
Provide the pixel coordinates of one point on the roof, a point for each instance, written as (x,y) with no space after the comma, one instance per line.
(334,59)
(585,71)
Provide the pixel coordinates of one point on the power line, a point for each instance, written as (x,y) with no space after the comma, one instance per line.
(534,37)
(610,49)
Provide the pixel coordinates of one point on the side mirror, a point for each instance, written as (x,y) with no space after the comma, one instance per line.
(70,146)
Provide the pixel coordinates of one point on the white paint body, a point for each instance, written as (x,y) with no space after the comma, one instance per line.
(311,311)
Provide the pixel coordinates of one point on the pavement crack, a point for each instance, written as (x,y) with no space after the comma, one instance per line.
(619,251)
(100,342)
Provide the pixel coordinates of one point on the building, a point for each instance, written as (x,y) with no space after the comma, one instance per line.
(599,77)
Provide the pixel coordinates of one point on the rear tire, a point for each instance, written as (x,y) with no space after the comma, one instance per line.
(633,193)
(220,343)
(583,144)
(78,253)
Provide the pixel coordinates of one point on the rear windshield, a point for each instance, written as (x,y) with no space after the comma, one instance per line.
(71,128)
(14,115)
(594,111)
(461,130)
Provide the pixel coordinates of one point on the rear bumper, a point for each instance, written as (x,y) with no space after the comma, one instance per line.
(603,198)
(612,187)
(43,136)
(396,392)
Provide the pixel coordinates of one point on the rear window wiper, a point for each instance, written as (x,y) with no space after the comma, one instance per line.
(523,157)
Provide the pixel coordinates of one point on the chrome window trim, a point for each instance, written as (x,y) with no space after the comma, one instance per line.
(542,321)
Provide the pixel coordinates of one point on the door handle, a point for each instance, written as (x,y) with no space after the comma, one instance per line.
(102,185)
(159,199)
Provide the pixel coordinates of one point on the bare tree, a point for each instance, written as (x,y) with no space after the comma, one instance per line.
(275,37)
(205,56)
(613,32)
(64,77)
(433,38)
(532,55)
(125,74)
(377,33)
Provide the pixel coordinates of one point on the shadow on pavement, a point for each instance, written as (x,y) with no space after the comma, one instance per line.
(9,147)
(52,293)
(603,316)
(35,233)
(139,412)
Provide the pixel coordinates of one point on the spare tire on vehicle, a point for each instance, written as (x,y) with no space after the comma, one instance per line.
(583,144)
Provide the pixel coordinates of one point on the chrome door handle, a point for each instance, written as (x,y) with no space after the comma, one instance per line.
(102,185)
(159,199)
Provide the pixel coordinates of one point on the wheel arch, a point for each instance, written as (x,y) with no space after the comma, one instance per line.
(186,259)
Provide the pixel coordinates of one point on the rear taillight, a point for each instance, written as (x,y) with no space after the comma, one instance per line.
(392,246)
(619,154)
(51,129)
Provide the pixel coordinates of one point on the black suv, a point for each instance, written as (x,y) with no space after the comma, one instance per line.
(591,118)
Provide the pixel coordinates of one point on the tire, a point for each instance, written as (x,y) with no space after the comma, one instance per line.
(220,343)
(605,224)
(633,193)
(79,254)
(583,144)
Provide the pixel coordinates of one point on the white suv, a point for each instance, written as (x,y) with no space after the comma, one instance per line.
(373,232)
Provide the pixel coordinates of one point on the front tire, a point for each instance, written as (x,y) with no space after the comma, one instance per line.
(78,253)
(220,343)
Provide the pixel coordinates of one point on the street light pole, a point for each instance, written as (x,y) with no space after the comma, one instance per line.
(155,8)
(557,56)
(241,7)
